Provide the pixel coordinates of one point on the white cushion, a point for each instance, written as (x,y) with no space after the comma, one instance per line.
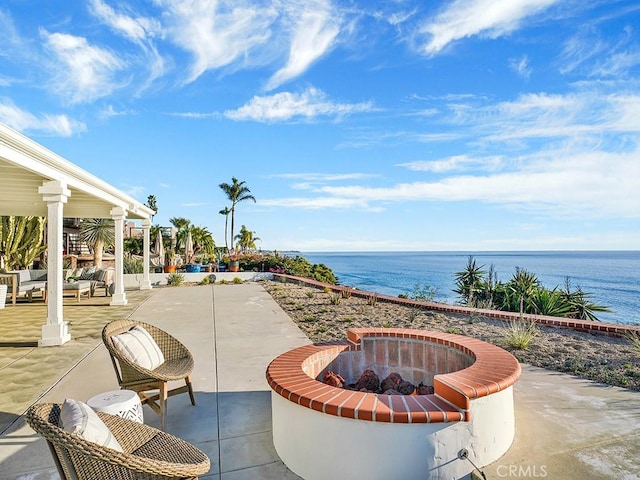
(78,418)
(139,347)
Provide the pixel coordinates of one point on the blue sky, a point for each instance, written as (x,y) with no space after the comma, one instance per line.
(357,125)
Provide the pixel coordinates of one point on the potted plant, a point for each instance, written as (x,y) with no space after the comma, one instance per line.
(170,261)
(234,264)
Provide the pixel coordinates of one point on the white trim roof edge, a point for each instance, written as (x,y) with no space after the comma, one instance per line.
(78,177)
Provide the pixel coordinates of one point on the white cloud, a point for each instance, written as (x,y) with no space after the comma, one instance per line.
(83,72)
(315,203)
(315,29)
(487,18)
(109,111)
(138,29)
(133,190)
(23,121)
(217,32)
(286,106)
(599,57)
(324,177)
(556,183)
(454,163)
(521,66)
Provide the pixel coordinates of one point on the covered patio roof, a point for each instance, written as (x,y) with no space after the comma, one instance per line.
(36,181)
(25,165)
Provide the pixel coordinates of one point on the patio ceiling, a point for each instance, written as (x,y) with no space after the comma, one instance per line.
(25,166)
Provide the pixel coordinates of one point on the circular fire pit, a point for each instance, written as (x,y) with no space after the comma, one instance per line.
(321,431)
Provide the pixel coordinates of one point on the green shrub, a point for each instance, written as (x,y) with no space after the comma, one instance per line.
(237,280)
(175,279)
(335,299)
(310,293)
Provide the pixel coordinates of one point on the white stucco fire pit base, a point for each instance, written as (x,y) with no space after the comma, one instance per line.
(324,432)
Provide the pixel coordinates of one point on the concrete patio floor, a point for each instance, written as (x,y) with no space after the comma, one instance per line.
(565,427)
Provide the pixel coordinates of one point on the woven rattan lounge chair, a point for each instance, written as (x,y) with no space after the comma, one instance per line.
(178,365)
(148,453)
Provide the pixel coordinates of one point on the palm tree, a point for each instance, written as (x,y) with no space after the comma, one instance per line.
(246,239)
(98,233)
(182,225)
(152,204)
(225,211)
(203,240)
(236,192)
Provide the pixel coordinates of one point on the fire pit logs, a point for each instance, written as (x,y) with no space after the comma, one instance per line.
(370,382)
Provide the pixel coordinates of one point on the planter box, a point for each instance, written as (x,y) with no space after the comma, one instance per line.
(193,268)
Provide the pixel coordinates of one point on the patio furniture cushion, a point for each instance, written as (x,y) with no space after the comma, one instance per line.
(139,347)
(178,365)
(99,275)
(87,273)
(79,418)
(75,273)
(148,453)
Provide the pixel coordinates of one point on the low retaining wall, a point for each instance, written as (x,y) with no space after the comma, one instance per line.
(613,329)
(134,280)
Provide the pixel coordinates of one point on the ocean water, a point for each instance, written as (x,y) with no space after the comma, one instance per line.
(612,277)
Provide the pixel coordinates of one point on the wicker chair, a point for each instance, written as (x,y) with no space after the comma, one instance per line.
(178,365)
(148,452)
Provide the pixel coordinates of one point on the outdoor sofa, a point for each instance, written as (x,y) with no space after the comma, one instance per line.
(26,282)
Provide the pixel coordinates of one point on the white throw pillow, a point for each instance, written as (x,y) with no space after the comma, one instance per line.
(79,418)
(139,347)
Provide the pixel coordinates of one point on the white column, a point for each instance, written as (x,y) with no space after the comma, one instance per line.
(146,281)
(55,331)
(119,297)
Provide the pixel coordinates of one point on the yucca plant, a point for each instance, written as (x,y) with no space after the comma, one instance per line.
(98,233)
(550,302)
(469,280)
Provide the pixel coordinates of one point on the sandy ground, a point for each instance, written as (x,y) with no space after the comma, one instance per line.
(614,361)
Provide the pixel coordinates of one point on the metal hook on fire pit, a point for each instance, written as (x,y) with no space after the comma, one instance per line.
(464,455)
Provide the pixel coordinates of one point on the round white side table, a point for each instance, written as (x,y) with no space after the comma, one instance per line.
(123,403)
